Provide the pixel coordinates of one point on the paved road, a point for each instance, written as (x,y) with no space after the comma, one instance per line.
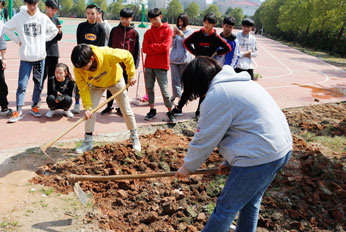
(291,77)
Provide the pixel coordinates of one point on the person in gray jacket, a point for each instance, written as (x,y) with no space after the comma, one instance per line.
(241,119)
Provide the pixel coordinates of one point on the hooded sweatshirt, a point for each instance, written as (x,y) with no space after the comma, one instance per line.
(108,71)
(241,119)
(156,44)
(33,32)
(179,54)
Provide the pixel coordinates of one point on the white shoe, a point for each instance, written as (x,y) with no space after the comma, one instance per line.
(68,113)
(76,108)
(136,145)
(50,113)
(16,116)
(86,146)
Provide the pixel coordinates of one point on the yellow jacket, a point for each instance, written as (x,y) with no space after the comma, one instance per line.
(108,71)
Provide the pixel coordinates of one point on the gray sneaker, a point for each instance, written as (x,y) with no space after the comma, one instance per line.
(136,145)
(6,113)
(35,112)
(86,146)
(76,108)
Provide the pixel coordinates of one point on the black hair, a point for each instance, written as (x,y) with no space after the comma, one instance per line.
(211,18)
(153,13)
(247,22)
(92,6)
(2,3)
(184,18)
(66,69)
(31,1)
(126,12)
(81,55)
(229,20)
(100,11)
(198,75)
(52,4)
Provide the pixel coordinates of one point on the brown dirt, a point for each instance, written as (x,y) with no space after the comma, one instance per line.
(308,195)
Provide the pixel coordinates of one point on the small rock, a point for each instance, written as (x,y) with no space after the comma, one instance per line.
(297,225)
(191,228)
(123,193)
(150,218)
(201,217)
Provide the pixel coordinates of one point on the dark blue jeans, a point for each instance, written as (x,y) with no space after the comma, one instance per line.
(243,193)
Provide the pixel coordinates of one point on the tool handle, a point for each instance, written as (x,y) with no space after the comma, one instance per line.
(59,136)
(75,178)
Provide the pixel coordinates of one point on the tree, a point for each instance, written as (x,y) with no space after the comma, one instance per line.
(114,9)
(192,11)
(78,9)
(42,6)
(101,3)
(237,13)
(174,9)
(212,9)
(66,6)
(137,12)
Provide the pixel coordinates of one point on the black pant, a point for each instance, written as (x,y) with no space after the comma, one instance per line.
(64,104)
(250,71)
(49,68)
(183,100)
(3,89)
(109,94)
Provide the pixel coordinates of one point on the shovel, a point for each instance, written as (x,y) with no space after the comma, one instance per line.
(75,179)
(52,141)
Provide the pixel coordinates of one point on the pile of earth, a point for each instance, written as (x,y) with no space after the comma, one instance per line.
(308,195)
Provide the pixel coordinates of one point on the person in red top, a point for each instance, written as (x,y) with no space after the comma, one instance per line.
(156,44)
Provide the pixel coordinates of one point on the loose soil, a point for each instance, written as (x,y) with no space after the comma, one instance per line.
(309,194)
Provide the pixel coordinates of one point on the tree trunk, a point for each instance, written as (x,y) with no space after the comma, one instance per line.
(338,37)
(319,35)
(295,37)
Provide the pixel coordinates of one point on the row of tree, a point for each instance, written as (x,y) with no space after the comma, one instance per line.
(319,24)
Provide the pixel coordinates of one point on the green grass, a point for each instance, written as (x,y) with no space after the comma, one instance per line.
(215,187)
(47,191)
(336,143)
(8,224)
(209,208)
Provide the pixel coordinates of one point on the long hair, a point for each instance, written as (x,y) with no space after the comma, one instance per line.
(66,69)
(184,18)
(198,75)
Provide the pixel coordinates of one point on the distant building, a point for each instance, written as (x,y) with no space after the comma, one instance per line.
(158,4)
(249,6)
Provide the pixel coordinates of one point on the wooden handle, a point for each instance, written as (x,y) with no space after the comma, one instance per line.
(52,141)
(75,178)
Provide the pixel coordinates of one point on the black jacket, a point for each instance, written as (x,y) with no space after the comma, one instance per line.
(93,34)
(200,44)
(52,47)
(65,87)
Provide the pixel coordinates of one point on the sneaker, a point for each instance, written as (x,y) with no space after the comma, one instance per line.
(136,145)
(68,113)
(76,108)
(119,112)
(5,113)
(34,111)
(16,116)
(107,110)
(86,146)
(50,113)
(171,118)
(150,115)
(177,112)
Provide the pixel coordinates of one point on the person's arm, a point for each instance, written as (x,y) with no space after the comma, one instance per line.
(51,30)
(79,35)
(123,56)
(101,37)
(190,40)
(254,48)
(51,86)
(58,37)
(4,63)
(223,46)
(70,87)
(163,47)
(3,48)
(235,54)
(110,41)
(83,87)
(146,43)
(137,52)
(10,27)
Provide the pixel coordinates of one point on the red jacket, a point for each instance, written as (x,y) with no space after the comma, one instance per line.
(156,44)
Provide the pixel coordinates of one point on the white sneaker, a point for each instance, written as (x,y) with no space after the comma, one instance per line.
(76,108)
(16,116)
(136,145)
(68,113)
(86,146)
(50,113)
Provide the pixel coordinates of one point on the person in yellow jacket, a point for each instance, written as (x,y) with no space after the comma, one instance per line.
(97,69)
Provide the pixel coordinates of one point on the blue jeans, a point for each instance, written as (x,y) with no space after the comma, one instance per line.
(24,74)
(243,193)
(176,74)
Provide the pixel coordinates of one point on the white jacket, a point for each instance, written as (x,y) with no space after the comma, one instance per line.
(246,44)
(33,32)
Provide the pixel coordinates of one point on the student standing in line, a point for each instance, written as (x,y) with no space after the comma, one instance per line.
(89,32)
(232,57)
(126,37)
(156,44)
(60,89)
(5,111)
(241,119)
(179,56)
(34,29)
(205,42)
(248,49)
(100,19)
(97,69)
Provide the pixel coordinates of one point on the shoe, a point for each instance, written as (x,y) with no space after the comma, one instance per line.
(86,146)
(171,118)
(150,115)
(136,145)
(50,113)
(177,112)
(76,108)
(5,113)
(16,116)
(68,113)
(119,112)
(107,110)
(34,111)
